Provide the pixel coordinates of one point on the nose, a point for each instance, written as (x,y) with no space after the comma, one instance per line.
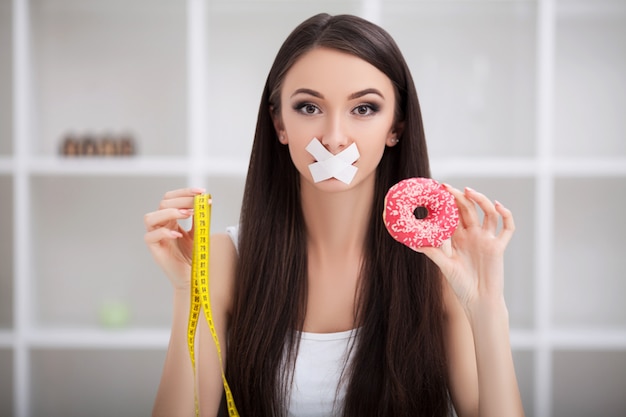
(335,137)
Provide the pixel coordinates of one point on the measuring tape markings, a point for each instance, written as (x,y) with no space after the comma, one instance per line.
(200,294)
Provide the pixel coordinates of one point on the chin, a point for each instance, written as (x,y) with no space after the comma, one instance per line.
(333,185)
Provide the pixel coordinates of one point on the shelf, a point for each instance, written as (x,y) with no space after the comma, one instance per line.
(6,165)
(110,67)
(6,338)
(98,338)
(521,100)
(512,167)
(94,348)
(474,68)
(105,226)
(575,338)
(237,167)
(589,383)
(589,253)
(493,167)
(595,339)
(136,166)
(113,166)
(522,340)
(581,167)
(93,382)
(115,266)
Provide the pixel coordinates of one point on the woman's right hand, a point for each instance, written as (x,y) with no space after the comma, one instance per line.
(170,244)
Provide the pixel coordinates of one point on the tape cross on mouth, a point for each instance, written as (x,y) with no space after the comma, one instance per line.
(328,166)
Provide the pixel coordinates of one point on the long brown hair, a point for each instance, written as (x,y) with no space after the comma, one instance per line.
(398,366)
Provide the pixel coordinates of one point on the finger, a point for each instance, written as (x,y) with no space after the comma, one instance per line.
(161,218)
(181,198)
(446,247)
(437,255)
(184,192)
(156,236)
(508,224)
(467,209)
(179,203)
(490,220)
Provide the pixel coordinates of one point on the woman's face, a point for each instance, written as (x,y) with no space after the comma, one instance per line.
(339,99)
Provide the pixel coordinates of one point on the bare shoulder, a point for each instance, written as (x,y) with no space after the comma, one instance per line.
(223,265)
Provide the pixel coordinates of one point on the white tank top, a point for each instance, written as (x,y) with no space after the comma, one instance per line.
(318,389)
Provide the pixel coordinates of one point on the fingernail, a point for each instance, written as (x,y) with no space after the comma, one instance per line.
(185,212)
(471,190)
(174,233)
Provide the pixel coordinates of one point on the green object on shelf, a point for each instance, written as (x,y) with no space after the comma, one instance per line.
(114,314)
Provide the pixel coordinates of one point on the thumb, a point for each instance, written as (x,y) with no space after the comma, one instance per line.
(440,256)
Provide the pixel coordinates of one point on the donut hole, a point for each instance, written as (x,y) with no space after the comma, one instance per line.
(420,213)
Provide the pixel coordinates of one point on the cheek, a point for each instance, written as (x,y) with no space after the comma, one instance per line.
(299,156)
(297,126)
(373,137)
(371,153)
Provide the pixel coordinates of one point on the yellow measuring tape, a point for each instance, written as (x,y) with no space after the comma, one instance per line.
(200,295)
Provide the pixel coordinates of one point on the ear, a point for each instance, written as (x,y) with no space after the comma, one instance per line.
(278,126)
(393,137)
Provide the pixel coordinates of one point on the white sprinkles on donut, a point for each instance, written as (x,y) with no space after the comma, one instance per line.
(405,197)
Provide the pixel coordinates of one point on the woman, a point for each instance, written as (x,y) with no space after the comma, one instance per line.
(323,312)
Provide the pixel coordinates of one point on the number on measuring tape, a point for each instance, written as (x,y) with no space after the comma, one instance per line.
(200,294)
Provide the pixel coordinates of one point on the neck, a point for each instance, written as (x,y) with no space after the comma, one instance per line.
(336,222)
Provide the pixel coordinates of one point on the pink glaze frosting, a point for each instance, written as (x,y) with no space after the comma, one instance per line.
(400,203)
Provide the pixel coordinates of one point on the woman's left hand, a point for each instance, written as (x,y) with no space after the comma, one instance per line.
(473,259)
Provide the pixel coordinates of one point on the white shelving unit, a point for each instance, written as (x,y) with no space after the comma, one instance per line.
(521,99)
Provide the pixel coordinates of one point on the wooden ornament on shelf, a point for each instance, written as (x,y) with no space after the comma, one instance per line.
(105,145)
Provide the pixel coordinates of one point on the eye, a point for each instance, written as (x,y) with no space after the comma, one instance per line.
(365,109)
(307,108)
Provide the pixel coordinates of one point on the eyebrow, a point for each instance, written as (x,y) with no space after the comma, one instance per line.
(352,96)
(307,91)
(365,92)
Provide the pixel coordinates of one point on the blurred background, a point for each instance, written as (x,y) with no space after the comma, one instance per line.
(107,104)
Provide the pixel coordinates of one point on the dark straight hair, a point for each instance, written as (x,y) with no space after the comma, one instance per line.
(398,366)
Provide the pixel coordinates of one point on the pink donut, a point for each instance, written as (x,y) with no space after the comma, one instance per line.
(400,203)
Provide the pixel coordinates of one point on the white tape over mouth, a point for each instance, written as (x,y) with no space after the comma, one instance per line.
(332,166)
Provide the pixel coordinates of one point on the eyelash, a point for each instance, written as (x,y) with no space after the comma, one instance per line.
(301,106)
(371,108)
